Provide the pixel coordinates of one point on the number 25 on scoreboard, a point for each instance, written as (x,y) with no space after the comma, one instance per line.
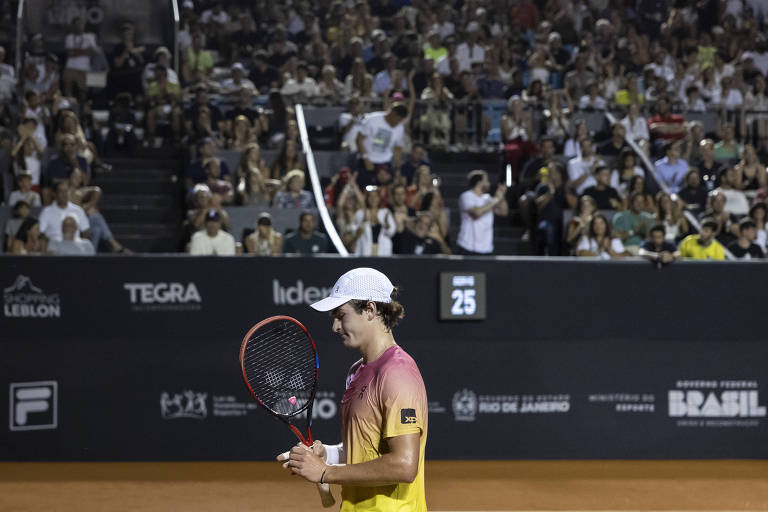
(462,296)
(464,302)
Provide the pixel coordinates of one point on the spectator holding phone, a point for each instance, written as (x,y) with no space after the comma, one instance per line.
(478,208)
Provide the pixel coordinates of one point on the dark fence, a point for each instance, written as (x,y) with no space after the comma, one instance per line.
(136,358)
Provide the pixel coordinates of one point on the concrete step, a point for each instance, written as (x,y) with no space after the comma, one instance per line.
(142,200)
(123,186)
(141,243)
(139,213)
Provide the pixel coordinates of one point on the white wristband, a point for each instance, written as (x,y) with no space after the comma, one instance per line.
(332,453)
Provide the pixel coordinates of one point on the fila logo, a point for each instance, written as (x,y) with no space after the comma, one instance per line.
(34,405)
(407,416)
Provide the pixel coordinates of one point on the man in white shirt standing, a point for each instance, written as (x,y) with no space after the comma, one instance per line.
(212,240)
(477,208)
(80,47)
(380,142)
(54,214)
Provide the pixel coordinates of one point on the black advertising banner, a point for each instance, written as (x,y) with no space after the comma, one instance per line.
(136,358)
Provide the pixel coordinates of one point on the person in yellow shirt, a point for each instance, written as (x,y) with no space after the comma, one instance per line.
(163,98)
(434,49)
(380,462)
(703,246)
(197,64)
(629,93)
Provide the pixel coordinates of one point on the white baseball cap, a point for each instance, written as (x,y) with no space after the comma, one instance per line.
(358,284)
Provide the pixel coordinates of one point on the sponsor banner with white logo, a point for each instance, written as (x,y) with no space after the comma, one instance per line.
(23,299)
(137,358)
(163,296)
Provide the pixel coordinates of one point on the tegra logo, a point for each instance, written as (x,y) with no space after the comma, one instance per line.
(163,296)
(296,295)
(25,300)
(34,405)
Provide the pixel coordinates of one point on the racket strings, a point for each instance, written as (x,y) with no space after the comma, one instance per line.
(280,366)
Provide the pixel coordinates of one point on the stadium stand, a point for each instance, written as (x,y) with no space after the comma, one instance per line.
(156,106)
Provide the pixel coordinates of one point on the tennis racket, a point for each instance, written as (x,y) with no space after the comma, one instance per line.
(280,366)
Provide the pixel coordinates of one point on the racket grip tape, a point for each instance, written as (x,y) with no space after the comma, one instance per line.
(325,495)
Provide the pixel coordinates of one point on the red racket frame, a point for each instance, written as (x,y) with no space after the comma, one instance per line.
(308,441)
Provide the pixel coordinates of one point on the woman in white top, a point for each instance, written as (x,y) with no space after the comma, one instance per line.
(265,241)
(729,97)
(599,242)
(572,147)
(330,88)
(636,125)
(626,169)
(355,81)
(350,201)
(81,46)
(592,100)
(26,155)
(708,86)
(378,227)
(556,118)
(669,215)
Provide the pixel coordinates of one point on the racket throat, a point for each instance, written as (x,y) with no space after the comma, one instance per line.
(308,441)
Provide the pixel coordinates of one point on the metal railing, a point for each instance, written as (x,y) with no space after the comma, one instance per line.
(176,22)
(325,216)
(19,36)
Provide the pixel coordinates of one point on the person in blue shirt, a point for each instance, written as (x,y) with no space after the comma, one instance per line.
(671,169)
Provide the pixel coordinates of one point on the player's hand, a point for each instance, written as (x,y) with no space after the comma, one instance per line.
(318,448)
(303,462)
(285,456)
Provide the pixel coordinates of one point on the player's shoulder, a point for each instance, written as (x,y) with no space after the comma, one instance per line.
(398,364)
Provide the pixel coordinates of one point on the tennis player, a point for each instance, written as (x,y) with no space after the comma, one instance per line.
(380,462)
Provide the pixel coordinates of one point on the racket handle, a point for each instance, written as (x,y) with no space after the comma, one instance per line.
(325,495)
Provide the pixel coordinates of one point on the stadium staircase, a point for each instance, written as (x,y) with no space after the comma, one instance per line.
(453,169)
(142,201)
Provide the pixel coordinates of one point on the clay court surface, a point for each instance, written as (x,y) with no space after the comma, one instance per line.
(451,486)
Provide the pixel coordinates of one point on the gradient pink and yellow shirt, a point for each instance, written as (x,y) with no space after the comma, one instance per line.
(384,399)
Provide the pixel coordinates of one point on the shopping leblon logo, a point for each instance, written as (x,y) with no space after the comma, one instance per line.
(25,300)
(716,403)
(165,296)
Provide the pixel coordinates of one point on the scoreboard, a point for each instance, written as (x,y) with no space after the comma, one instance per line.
(462,296)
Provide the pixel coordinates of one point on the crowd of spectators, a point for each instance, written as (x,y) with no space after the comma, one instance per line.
(418,77)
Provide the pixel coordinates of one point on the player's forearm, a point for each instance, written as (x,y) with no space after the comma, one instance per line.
(388,469)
